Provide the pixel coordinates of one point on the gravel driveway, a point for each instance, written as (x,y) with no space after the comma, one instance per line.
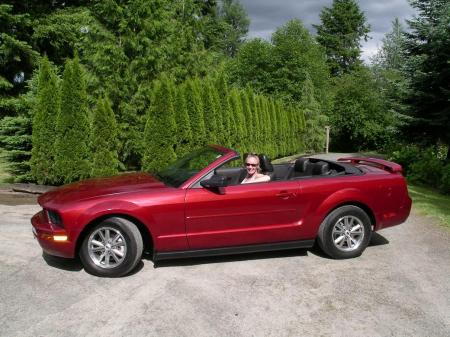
(400,286)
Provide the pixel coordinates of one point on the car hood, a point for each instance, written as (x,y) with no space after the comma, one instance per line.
(98,187)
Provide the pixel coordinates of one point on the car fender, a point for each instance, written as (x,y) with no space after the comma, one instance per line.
(341,197)
(118,207)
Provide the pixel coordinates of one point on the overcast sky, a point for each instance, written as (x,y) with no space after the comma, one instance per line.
(267,15)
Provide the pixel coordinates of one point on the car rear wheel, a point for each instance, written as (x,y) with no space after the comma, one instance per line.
(112,248)
(345,232)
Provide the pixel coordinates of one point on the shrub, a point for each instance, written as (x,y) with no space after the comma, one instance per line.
(406,156)
(424,165)
(426,170)
(445,179)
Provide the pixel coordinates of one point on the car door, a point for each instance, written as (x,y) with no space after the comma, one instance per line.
(243,214)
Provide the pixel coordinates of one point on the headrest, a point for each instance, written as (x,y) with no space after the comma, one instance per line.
(301,164)
(320,168)
(265,164)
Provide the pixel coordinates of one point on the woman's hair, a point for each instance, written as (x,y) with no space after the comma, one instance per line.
(253,155)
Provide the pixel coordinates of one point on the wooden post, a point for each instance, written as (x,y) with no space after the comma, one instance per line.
(327,129)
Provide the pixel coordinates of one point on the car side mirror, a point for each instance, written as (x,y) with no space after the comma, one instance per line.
(215,182)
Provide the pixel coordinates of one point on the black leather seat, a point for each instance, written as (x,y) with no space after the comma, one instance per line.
(321,168)
(266,166)
(301,168)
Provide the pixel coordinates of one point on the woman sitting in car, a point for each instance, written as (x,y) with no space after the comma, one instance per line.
(253,170)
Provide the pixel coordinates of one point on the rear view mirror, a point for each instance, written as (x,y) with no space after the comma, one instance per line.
(216,181)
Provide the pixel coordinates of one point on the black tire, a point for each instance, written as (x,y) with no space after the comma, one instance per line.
(331,228)
(121,256)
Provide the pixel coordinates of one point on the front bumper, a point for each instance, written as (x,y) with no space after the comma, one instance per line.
(53,240)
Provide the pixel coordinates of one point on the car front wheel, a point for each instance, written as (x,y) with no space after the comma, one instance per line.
(112,248)
(345,232)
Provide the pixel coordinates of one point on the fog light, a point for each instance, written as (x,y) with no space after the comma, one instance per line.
(60,237)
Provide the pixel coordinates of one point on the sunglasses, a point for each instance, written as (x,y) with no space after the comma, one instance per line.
(252,165)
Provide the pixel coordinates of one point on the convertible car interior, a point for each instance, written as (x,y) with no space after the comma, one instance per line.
(302,168)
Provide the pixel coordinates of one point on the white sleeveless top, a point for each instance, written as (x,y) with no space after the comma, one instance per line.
(254,179)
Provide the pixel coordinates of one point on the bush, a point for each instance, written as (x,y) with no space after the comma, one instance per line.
(424,165)
(426,170)
(406,156)
(445,179)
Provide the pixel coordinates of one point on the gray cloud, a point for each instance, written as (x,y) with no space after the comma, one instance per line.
(267,15)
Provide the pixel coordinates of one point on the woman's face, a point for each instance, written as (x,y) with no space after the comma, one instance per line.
(251,164)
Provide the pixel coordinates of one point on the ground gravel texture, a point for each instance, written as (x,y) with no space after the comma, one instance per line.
(400,286)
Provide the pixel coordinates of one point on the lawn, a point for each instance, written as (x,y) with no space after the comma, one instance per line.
(429,202)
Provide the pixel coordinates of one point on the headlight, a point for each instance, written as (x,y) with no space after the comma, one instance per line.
(54,218)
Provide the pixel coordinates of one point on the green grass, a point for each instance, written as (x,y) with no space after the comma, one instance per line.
(429,202)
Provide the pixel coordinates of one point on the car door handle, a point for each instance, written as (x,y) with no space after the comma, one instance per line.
(285,195)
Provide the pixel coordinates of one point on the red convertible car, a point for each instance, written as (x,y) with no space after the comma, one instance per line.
(197,207)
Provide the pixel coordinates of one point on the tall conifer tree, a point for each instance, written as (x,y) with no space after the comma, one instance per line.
(183,124)
(160,128)
(72,155)
(253,113)
(340,33)
(222,88)
(314,135)
(195,110)
(248,128)
(217,113)
(209,112)
(238,140)
(104,142)
(44,124)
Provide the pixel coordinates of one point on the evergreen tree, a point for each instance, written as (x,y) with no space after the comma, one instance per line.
(15,139)
(209,112)
(17,58)
(266,122)
(235,21)
(279,130)
(222,89)
(159,135)
(428,71)
(273,135)
(388,66)
(44,124)
(282,127)
(340,32)
(194,106)
(314,136)
(253,111)
(391,55)
(237,137)
(261,122)
(72,155)
(247,128)
(183,124)
(217,112)
(104,141)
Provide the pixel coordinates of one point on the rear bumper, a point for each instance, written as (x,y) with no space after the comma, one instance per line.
(396,218)
(53,240)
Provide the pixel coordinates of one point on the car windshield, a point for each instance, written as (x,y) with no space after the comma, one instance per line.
(186,167)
